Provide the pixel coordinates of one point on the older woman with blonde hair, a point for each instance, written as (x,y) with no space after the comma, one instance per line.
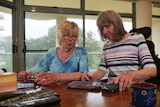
(63,63)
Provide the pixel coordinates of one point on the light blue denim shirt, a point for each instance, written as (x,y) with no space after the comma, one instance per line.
(77,62)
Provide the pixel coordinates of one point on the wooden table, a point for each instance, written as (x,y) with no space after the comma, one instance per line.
(94,98)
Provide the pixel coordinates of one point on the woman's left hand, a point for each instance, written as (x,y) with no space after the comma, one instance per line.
(44,78)
(124,80)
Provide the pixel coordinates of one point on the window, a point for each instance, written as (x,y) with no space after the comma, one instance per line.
(10,0)
(40,35)
(156,28)
(102,5)
(6,38)
(155,10)
(155,34)
(54,3)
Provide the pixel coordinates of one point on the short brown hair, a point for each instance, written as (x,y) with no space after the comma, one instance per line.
(106,18)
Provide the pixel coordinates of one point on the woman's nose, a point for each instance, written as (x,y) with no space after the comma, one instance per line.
(70,39)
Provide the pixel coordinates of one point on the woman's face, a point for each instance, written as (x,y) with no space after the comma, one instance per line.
(69,41)
(107,32)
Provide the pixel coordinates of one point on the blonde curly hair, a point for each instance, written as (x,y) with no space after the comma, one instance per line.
(67,27)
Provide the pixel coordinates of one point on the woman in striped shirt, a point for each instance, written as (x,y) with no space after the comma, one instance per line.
(124,55)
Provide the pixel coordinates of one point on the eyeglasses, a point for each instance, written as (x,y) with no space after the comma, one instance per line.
(70,37)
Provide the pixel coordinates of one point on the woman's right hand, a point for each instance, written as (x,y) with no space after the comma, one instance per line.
(25,74)
(86,77)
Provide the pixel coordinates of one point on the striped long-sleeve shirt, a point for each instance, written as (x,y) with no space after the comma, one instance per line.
(127,55)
